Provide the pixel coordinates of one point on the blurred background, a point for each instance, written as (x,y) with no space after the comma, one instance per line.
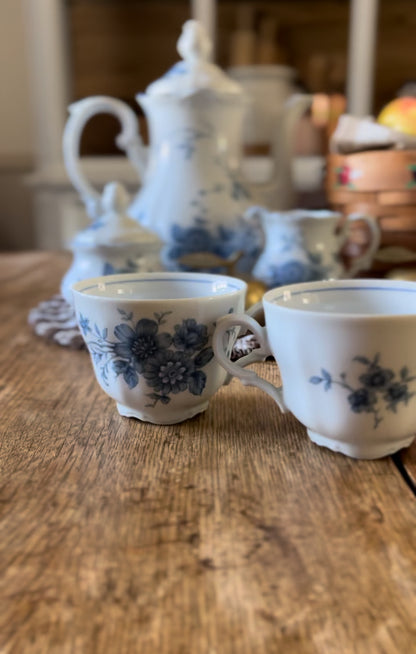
(54,52)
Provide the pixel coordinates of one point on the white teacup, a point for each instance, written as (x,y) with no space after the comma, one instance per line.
(347,357)
(150,339)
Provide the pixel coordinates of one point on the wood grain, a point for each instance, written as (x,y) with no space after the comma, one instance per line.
(408,459)
(228,534)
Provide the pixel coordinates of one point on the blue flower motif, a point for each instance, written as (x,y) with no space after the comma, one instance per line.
(362,399)
(290,272)
(169,364)
(377,378)
(221,241)
(378,385)
(84,323)
(129,267)
(294,271)
(395,393)
(168,372)
(139,344)
(190,240)
(189,336)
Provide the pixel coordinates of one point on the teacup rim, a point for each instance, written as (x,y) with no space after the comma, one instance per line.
(273,294)
(79,288)
(299,215)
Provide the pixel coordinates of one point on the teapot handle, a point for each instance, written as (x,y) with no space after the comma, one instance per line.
(129,140)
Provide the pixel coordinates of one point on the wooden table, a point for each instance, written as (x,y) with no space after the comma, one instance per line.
(228,534)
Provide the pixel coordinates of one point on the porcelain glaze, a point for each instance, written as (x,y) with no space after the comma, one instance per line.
(346,358)
(304,246)
(150,339)
(193,194)
(113,243)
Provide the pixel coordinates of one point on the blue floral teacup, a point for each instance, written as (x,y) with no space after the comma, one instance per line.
(150,339)
(347,360)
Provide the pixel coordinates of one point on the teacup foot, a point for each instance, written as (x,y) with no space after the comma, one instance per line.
(169,418)
(360,451)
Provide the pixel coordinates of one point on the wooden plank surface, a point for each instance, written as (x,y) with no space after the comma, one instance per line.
(229,533)
(408,460)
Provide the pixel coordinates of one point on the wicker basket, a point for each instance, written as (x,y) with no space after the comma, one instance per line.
(379,183)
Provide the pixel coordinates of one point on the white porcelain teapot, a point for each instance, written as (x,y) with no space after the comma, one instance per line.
(193,195)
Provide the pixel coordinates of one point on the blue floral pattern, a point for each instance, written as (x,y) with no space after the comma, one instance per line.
(189,138)
(293,271)
(84,323)
(286,259)
(128,267)
(378,386)
(220,240)
(169,363)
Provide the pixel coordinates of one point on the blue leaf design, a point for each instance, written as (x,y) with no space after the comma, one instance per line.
(362,360)
(203,357)
(126,316)
(196,382)
(84,323)
(326,378)
(404,372)
(315,380)
(158,398)
(130,377)
(119,366)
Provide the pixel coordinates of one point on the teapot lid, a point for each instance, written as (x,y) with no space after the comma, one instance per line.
(114,227)
(195,72)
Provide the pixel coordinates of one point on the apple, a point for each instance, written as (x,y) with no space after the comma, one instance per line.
(400,114)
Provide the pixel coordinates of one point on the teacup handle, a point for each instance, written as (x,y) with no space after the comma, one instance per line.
(364,261)
(236,368)
(129,140)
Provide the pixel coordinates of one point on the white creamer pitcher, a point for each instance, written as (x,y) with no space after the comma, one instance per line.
(305,245)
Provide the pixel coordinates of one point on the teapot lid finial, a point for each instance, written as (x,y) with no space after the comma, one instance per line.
(195,72)
(194,43)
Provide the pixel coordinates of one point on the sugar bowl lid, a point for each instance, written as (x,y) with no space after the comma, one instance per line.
(195,72)
(114,227)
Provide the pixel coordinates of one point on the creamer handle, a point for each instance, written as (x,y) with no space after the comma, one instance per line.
(364,261)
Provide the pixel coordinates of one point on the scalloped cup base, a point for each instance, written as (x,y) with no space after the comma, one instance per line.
(172,419)
(361,451)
